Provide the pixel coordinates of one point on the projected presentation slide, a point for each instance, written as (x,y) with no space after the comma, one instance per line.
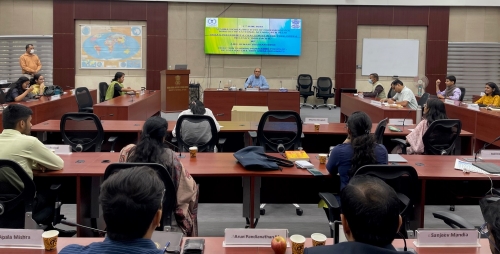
(247,36)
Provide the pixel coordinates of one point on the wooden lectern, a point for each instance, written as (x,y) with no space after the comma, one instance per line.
(174,89)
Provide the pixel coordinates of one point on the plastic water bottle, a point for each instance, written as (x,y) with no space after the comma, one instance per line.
(230,83)
(215,149)
(419,114)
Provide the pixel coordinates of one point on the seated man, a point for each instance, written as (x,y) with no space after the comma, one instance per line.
(17,145)
(490,208)
(377,88)
(131,201)
(451,92)
(256,80)
(370,218)
(404,96)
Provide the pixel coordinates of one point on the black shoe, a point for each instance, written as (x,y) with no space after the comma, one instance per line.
(66,233)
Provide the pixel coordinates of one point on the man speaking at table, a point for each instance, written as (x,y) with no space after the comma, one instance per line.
(256,80)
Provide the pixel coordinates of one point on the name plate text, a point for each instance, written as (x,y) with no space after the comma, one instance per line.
(24,238)
(490,154)
(448,101)
(473,107)
(60,149)
(376,103)
(447,237)
(400,121)
(252,236)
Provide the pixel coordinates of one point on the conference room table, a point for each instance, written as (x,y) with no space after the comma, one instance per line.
(214,245)
(50,107)
(88,169)
(129,107)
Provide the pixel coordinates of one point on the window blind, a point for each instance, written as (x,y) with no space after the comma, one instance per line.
(474,64)
(11,48)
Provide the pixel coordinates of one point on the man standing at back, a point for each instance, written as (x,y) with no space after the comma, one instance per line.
(256,80)
(370,218)
(29,62)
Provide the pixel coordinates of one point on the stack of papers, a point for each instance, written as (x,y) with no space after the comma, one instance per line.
(467,167)
(303,164)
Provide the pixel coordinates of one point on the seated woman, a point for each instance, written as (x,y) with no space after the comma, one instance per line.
(434,110)
(491,97)
(358,149)
(19,91)
(116,87)
(150,149)
(37,82)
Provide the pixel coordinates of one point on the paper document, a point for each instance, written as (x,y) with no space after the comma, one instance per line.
(466,166)
(396,158)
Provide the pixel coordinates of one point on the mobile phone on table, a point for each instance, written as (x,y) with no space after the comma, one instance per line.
(314,171)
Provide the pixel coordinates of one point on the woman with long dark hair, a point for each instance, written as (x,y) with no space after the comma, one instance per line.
(434,110)
(19,90)
(491,96)
(359,149)
(38,84)
(116,87)
(150,149)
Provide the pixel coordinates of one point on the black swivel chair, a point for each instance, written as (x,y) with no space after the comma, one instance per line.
(423,99)
(84,100)
(379,131)
(170,199)
(304,86)
(462,94)
(206,142)
(16,202)
(323,90)
(103,88)
(83,132)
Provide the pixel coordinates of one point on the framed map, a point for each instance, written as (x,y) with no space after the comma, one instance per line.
(111,47)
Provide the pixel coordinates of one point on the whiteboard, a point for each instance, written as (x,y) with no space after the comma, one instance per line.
(389,57)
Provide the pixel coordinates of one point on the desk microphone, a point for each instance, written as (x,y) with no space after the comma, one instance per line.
(178,149)
(404,119)
(218,89)
(484,146)
(69,223)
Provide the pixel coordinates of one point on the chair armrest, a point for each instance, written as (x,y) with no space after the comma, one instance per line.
(453,220)
(302,135)
(174,140)
(329,199)
(55,187)
(315,88)
(400,141)
(222,141)
(112,140)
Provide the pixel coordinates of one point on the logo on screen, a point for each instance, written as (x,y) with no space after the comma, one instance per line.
(296,24)
(212,22)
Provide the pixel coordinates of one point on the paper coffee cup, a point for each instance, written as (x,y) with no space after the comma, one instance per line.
(318,239)
(50,239)
(192,151)
(298,242)
(316,126)
(322,158)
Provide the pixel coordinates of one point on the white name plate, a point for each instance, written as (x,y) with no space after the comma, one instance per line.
(473,107)
(252,89)
(447,237)
(492,154)
(252,236)
(55,97)
(21,238)
(399,121)
(316,120)
(448,101)
(376,103)
(60,149)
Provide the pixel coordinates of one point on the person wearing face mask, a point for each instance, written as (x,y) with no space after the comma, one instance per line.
(20,91)
(377,88)
(29,62)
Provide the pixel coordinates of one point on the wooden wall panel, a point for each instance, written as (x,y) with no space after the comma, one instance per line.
(62,16)
(64,50)
(153,80)
(157,53)
(133,10)
(347,22)
(411,16)
(94,9)
(437,57)
(157,18)
(375,15)
(439,23)
(344,62)
(64,77)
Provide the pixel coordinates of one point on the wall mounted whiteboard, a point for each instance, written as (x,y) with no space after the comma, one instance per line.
(389,57)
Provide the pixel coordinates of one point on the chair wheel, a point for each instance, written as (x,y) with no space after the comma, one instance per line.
(299,211)
(329,108)
(452,208)
(262,211)
(334,106)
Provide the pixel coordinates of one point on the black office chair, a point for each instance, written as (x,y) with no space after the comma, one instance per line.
(462,94)
(304,86)
(391,92)
(206,137)
(379,131)
(84,100)
(83,132)
(323,91)
(423,99)
(279,131)
(170,199)
(17,200)
(103,88)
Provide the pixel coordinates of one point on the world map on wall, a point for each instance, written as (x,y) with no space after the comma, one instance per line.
(111,47)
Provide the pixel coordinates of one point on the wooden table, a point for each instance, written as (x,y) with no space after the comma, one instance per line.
(221,102)
(351,104)
(213,245)
(47,108)
(130,107)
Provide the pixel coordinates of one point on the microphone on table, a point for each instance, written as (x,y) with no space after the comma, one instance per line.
(218,89)
(69,223)
(178,149)
(404,119)
(484,146)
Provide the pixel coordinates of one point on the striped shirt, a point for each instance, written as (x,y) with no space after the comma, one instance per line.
(108,246)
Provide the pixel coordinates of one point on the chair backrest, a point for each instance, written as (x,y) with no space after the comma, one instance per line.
(196,130)
(103,88)
(2,96)
(15,202)
(82,131)
(304,83)
(462,90)
(440,137)
(324,85)
(279,127)
(83,98)
(390,92)
(379,132)
(423,99)
(170,200)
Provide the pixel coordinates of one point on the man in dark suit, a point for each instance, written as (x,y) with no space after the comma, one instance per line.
(370,217)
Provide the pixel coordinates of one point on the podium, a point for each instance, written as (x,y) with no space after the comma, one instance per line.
(174,88)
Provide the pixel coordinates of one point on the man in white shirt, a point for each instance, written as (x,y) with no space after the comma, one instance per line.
(404,96)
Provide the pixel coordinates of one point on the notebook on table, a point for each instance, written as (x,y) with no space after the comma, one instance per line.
(491,168)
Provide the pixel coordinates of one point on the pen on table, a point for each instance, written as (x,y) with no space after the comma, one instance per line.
(166,246)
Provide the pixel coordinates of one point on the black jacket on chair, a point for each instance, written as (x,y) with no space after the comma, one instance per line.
(353,248)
